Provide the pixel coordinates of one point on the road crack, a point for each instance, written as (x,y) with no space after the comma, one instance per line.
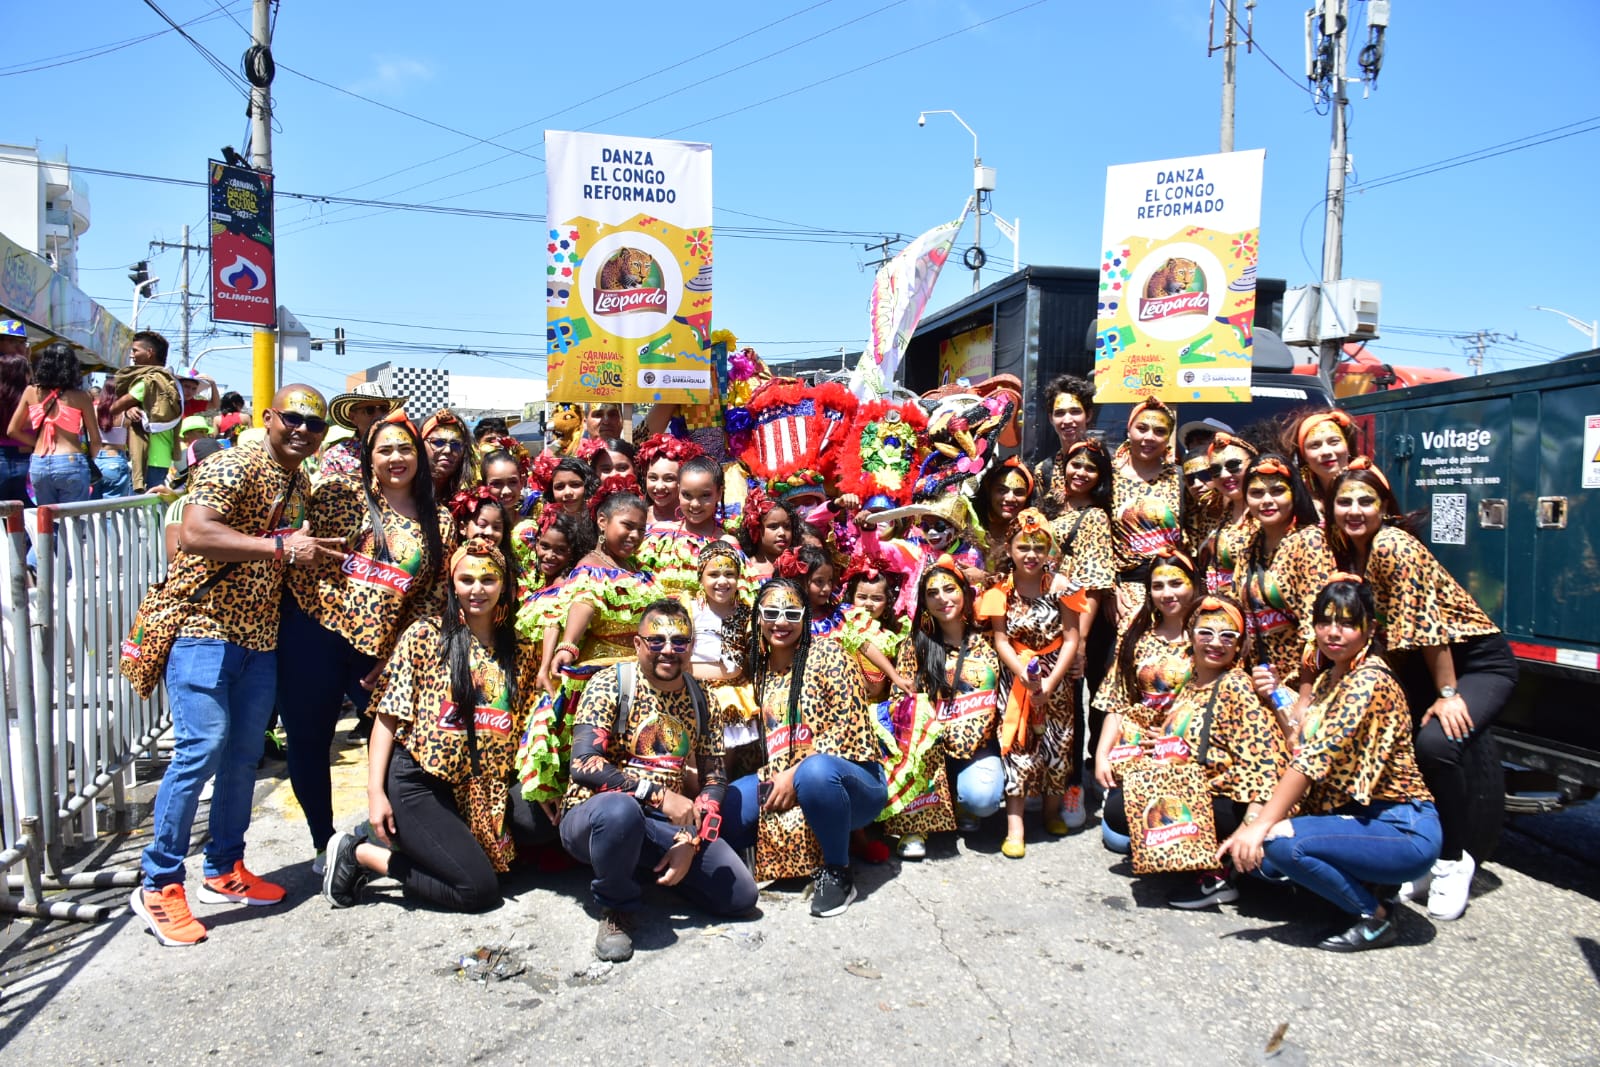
(977,979)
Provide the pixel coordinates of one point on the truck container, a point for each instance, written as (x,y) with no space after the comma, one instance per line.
(1504,471)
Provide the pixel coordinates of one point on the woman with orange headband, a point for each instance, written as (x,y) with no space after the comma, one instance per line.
(1035,634)
(1229,525)
(1005,489)
(449,707)
(1280,511)
(1147,502)
(1153,660)
(1455,665)
(1323,443)
(1364,817)
(451,458)
(1217,720)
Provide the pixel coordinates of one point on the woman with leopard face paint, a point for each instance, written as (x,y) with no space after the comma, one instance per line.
(1148,504)
(1070,402)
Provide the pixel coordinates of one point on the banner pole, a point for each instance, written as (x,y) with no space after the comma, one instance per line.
(264,380)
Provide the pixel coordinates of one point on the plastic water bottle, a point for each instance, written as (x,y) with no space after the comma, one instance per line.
(1282,698)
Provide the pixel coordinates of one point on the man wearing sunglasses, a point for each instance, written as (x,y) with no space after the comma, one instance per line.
(244,525)
(356,411)
(626,811)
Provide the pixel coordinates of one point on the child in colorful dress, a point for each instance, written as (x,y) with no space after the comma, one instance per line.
(813,570)
(1036,637)
(721,632)
(766,532)
(671,550)
(660,459)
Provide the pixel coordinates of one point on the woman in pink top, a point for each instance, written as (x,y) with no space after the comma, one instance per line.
(58,418)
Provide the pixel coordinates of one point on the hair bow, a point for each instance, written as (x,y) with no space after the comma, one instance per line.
(1364,463)
(1339,418)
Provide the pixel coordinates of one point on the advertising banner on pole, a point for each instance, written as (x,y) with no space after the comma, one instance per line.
(1178,279)
(900,290)
(244,285)
(628,271)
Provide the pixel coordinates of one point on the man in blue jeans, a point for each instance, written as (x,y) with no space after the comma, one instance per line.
(625,812)
(244,523)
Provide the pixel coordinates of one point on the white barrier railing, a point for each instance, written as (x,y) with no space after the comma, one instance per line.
(79,724)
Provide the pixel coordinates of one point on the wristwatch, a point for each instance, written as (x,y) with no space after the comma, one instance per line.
(1446,692)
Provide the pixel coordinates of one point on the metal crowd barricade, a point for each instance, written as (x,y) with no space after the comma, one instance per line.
(21,839)
(86,725)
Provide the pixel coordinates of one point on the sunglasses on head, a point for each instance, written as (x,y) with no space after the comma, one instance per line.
(658,643)
(447,444)
(1206,633)
(1233,466)
(294,420)
(776,614)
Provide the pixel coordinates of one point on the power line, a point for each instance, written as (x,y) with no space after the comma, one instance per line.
(63,59)
(1252,44)
(234,80)
(697,57)
(1590,124)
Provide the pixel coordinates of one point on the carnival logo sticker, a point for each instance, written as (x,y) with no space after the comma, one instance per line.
(243,275)
(1178,289)
(631,282)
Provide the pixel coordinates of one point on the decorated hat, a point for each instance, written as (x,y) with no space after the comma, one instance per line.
(953,508)
(13,328)
(365,393)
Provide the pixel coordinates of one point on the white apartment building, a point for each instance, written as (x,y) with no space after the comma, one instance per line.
(44,207)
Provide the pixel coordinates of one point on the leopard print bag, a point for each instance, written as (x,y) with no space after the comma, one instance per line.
(155,628)
(1171,826)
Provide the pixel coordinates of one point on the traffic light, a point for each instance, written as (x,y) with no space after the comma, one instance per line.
(338,340)
(140,274)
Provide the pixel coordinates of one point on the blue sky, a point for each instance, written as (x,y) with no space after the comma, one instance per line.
(811,108)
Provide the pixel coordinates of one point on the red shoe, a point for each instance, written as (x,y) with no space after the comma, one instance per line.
(239,886)
(166,914)
(868,849)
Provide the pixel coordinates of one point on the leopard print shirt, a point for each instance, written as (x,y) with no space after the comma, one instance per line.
(244,485)
(833,714)
(968,721)
(1246,753)
(366,601)
(1145,515)
(1089,562)
(415,688)
(655,743)
(1420,604)
(1355,741)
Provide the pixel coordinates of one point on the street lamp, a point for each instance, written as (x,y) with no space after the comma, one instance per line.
(1590,328)
(982,185)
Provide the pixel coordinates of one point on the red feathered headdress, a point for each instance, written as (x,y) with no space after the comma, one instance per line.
(611,485)
(797,426)
(466,501)
(666,446)
(542,471)
(880,453)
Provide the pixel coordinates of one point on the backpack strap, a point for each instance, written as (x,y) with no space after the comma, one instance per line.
(1205,725)
(702,707)
(625,680)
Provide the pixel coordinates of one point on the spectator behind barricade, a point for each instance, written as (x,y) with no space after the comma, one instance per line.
(148,390)
(57,418)
(182,477)
(199,394)
(13,380)
(233,418)
(192,429)
(112,458)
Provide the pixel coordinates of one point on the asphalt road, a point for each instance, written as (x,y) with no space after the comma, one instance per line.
(967,957)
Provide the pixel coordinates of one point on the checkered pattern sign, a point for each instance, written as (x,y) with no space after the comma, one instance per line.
(427,389)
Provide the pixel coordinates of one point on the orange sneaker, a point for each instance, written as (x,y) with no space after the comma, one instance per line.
(166,913)
(239,886)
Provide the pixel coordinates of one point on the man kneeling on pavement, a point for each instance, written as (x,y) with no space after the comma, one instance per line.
(626,810)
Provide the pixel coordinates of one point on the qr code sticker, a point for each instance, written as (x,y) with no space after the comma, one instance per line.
(1449,519)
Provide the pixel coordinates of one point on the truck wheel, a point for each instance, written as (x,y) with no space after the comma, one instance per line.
(1486,795)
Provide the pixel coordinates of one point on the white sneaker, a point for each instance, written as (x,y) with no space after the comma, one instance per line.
(1452,883)
(1072,810)
(1418,890)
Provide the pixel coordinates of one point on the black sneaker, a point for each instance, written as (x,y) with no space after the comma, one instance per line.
(343,876)
(1208,889)
(1368,932)
(832,891)
(613,942)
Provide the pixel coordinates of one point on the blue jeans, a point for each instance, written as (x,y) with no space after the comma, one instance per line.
(614,835)
(14,474)
(116,477)
(221,695)
(317,669)
(837,796)
(980,781)
(1338,856)
(60,479)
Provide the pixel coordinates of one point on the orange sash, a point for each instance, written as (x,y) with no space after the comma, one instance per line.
(1016,725)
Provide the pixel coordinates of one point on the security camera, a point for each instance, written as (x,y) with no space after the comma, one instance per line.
(922,120)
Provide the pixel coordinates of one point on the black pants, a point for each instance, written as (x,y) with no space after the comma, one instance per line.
(443,864)
(1228,813)
(317,669)
(1486,673)
(1096,665)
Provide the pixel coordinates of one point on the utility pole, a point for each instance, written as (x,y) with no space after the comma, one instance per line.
(184,285)
(1335,19)
(1479,341)
(1229,77)
(258,65)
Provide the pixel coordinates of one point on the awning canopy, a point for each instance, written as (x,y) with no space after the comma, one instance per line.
(58,310)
